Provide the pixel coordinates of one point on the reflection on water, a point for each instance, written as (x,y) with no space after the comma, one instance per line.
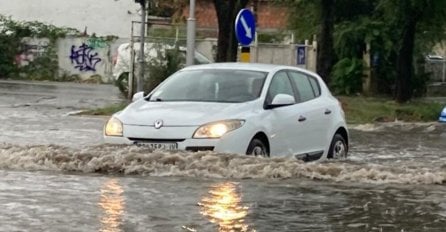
(223,207)
(112,205)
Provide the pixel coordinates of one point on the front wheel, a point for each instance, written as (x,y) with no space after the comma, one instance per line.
(257,148)
(338,148)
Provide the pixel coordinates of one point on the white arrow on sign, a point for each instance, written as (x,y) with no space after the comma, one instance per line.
(246,27)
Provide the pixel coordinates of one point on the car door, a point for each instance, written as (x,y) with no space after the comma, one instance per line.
(285,128)
(317,111)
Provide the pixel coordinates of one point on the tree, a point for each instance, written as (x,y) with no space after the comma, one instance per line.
(325,54)
(412,19)
(321,17)
(226,13)
(315,17)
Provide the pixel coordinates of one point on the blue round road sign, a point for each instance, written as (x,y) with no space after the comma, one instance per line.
(245,27)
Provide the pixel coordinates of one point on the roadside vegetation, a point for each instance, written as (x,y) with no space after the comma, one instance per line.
(358,110)
(104,111)
(43,67)
(395,35)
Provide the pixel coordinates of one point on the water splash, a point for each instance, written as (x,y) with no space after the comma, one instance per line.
(132,160)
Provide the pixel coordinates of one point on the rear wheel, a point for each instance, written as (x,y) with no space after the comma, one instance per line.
(338,148)
(257,148)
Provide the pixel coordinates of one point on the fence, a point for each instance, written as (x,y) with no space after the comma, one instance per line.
(88,57)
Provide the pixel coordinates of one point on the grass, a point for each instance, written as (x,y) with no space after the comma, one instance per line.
(106,111)
(367,110)
(358,110)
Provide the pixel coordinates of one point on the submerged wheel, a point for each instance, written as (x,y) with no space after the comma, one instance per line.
(338,148)
(257,148)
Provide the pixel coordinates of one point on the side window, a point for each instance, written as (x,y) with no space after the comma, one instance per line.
(315,85)
(303,85)
(280,84)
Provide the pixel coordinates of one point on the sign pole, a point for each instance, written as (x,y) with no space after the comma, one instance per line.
(245,55)
(139,83)
(191,27)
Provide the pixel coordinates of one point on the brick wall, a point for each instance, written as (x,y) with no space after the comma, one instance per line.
(269,15)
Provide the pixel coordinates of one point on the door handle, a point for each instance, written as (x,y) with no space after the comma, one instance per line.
(302,118)
(327,111)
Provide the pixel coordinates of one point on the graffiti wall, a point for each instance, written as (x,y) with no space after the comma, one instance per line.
(85,57)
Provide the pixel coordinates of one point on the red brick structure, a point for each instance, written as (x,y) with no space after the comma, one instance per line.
(270,16)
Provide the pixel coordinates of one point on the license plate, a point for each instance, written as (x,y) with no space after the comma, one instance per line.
(159,146)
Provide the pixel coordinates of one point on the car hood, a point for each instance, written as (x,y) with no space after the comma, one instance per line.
(146,113)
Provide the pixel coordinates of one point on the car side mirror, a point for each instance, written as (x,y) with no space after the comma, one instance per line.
(137,96)
(282,100)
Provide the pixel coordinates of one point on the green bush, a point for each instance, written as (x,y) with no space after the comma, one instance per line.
(44,67)
(347,76)
(156,70)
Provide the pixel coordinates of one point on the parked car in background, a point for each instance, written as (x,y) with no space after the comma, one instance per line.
(442,117)
(154,52)
(253,109)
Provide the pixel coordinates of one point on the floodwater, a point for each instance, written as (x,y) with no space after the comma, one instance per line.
(56,175)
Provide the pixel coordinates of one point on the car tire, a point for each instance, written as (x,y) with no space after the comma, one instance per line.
(123,83)
(338,148)
(257,148)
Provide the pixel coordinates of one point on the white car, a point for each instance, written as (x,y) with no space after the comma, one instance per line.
(254,109)
(122,61)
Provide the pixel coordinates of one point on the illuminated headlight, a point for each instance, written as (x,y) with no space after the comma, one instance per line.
(113,127)
(217,129)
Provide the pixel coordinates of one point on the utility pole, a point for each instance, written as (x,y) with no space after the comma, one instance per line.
(141,58)
(190,52)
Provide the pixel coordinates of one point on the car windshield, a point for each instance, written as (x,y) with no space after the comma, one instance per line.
(211,85)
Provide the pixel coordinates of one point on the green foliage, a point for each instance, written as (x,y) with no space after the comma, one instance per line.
(34,29)
(11,35)
(107,110)
(276,37)
(360,110)
(165,64)
(8,50)
(44,67)
(381,24)
(304,19)
(347,76)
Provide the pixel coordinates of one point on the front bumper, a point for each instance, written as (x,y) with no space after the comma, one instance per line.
(233,142)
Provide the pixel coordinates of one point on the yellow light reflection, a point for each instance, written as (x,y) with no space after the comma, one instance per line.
(223,207)
(112,204)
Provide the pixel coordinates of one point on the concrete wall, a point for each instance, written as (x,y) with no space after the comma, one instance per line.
(285,54)
(85,57)
(103,17)
(88,57)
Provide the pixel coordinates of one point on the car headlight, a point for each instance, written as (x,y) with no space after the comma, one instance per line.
(113,127)
(217,129)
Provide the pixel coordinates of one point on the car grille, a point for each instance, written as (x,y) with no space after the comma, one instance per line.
(142,140)
(195,149)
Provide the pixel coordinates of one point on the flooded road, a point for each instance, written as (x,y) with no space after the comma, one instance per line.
(56,175)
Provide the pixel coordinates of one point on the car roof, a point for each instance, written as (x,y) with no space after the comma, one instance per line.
(243,66)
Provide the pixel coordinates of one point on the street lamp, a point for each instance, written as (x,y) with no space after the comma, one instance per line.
(191,34)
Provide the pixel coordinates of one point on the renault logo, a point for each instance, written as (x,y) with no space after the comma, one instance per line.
(158,124)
